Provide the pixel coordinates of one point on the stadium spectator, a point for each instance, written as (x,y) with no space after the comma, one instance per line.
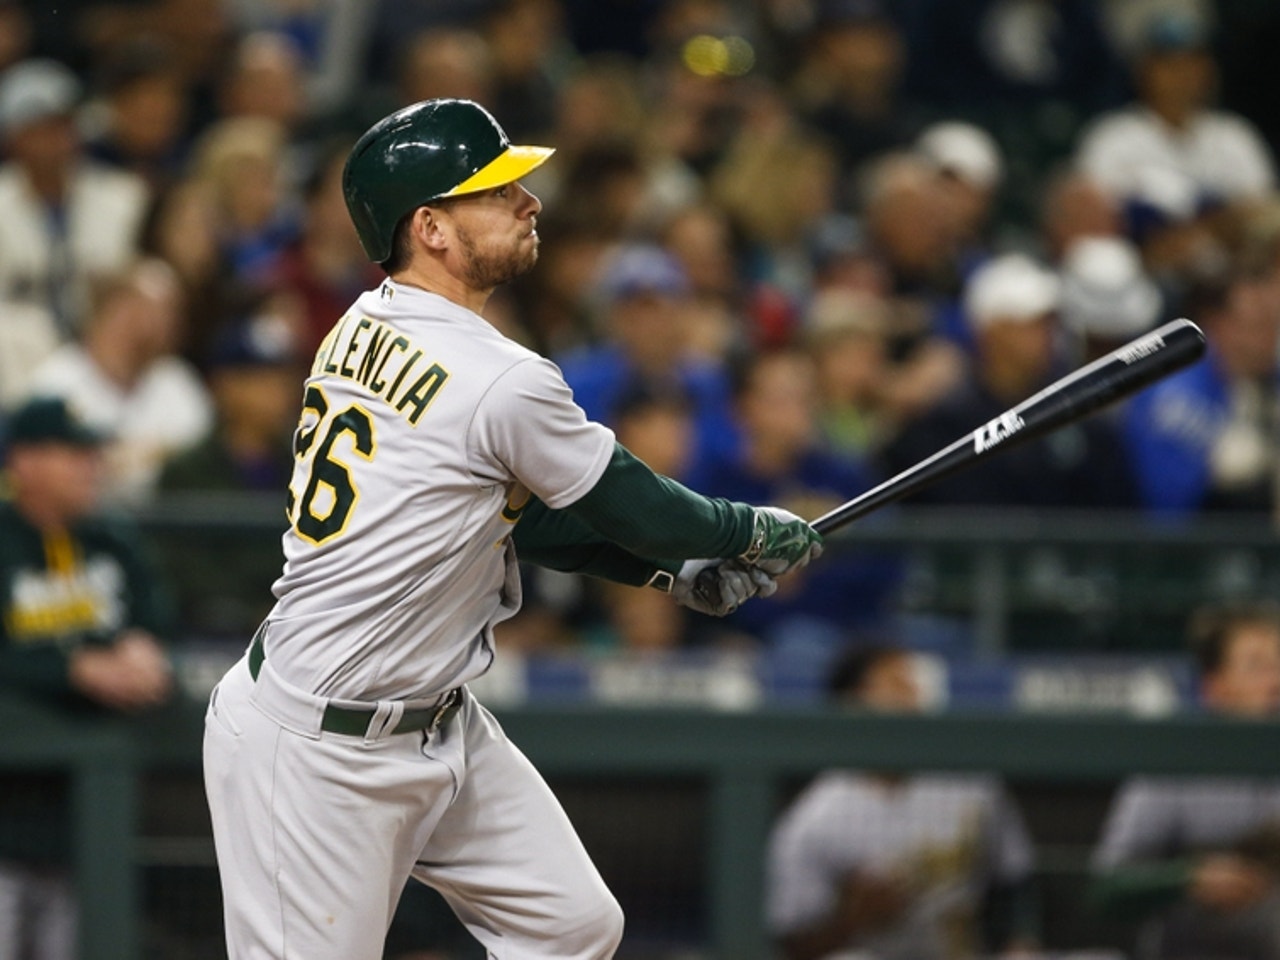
(182,230)
(1012,304)
(1197,858)
(970,165)
(393,20)
(607,186)
(138,121)
(894,866)
(1107,297)
(604,105)
(65,218)
(643,293)
(848,83)
(1204,439)
(526,38)
(776,182)
(553,302)
(908,229)
(701,237)
(16,33)
(330,37)
(905,212)
(201,32)
(265,80)
(847,334)
(125,379)
(240,163)
(325,267)
(253,373)
(445,62)
(26,338)
(1075,206)
(80,618)
(781,456)
(1182,168)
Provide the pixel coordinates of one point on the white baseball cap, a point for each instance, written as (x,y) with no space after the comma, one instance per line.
(1010,288)
(1105,291)
(34,90)
(965,150)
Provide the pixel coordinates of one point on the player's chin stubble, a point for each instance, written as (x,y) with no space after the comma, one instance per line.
(486,269)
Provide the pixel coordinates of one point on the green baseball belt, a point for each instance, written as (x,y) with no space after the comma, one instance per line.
(354,721)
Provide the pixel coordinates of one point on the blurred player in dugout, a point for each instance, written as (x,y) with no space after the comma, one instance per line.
(1196,859)
(882,866)
(79,621)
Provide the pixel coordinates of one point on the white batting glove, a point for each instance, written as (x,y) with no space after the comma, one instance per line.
(717,594)
(766,585)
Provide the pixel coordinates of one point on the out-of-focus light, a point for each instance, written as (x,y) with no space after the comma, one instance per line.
(709,56)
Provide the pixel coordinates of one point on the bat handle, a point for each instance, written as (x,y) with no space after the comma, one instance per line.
(706,588)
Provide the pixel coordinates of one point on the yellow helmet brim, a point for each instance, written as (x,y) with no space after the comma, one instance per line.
(508,167)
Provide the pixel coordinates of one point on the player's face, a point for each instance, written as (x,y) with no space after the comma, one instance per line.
(891,686)
(497,236)
(63,479)
(1248,682)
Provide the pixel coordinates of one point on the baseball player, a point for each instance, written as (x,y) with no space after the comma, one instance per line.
(343,753)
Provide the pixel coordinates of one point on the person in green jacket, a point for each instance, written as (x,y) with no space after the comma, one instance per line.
(80,619)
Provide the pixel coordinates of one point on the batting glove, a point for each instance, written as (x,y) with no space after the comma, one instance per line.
(781,542)
(724,585)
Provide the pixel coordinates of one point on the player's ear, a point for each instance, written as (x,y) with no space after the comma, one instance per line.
(427,226)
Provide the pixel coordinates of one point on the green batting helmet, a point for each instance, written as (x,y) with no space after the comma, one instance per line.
(432,149)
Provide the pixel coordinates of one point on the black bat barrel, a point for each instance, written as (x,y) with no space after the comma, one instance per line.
(1118,374)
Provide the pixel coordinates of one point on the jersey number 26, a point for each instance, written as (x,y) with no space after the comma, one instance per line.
(329,492)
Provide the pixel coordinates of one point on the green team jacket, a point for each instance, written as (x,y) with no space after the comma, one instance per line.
(58,592)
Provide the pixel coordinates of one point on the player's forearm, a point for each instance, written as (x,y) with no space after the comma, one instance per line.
(654,516)
(560,541)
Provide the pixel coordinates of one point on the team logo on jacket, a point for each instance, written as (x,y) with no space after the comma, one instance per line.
(997,431)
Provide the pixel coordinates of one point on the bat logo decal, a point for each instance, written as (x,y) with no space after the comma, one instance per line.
(1140,348)
(997,431)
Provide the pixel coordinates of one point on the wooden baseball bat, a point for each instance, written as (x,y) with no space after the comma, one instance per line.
(1118,374)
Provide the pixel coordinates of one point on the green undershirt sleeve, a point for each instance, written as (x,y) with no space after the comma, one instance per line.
(654,516)
(630,517)
(560,541)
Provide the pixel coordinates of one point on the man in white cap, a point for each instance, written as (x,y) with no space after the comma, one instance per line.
(971,168)
(1107,297)
(65,219)
(1011,304)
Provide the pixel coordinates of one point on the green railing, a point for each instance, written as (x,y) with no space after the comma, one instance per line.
(744,759)
(1014,579)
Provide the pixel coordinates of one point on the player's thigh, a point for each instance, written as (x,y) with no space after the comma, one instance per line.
(315,838)
(509,862)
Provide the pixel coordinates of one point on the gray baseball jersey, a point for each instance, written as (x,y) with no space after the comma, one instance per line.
(1157,817)
(423,430)
(423,433)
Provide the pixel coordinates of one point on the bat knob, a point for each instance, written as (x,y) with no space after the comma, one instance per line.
(706,587)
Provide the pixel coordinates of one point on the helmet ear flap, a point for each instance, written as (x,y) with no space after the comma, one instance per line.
(429,150)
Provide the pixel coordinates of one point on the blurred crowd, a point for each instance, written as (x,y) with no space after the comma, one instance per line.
(790,247)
